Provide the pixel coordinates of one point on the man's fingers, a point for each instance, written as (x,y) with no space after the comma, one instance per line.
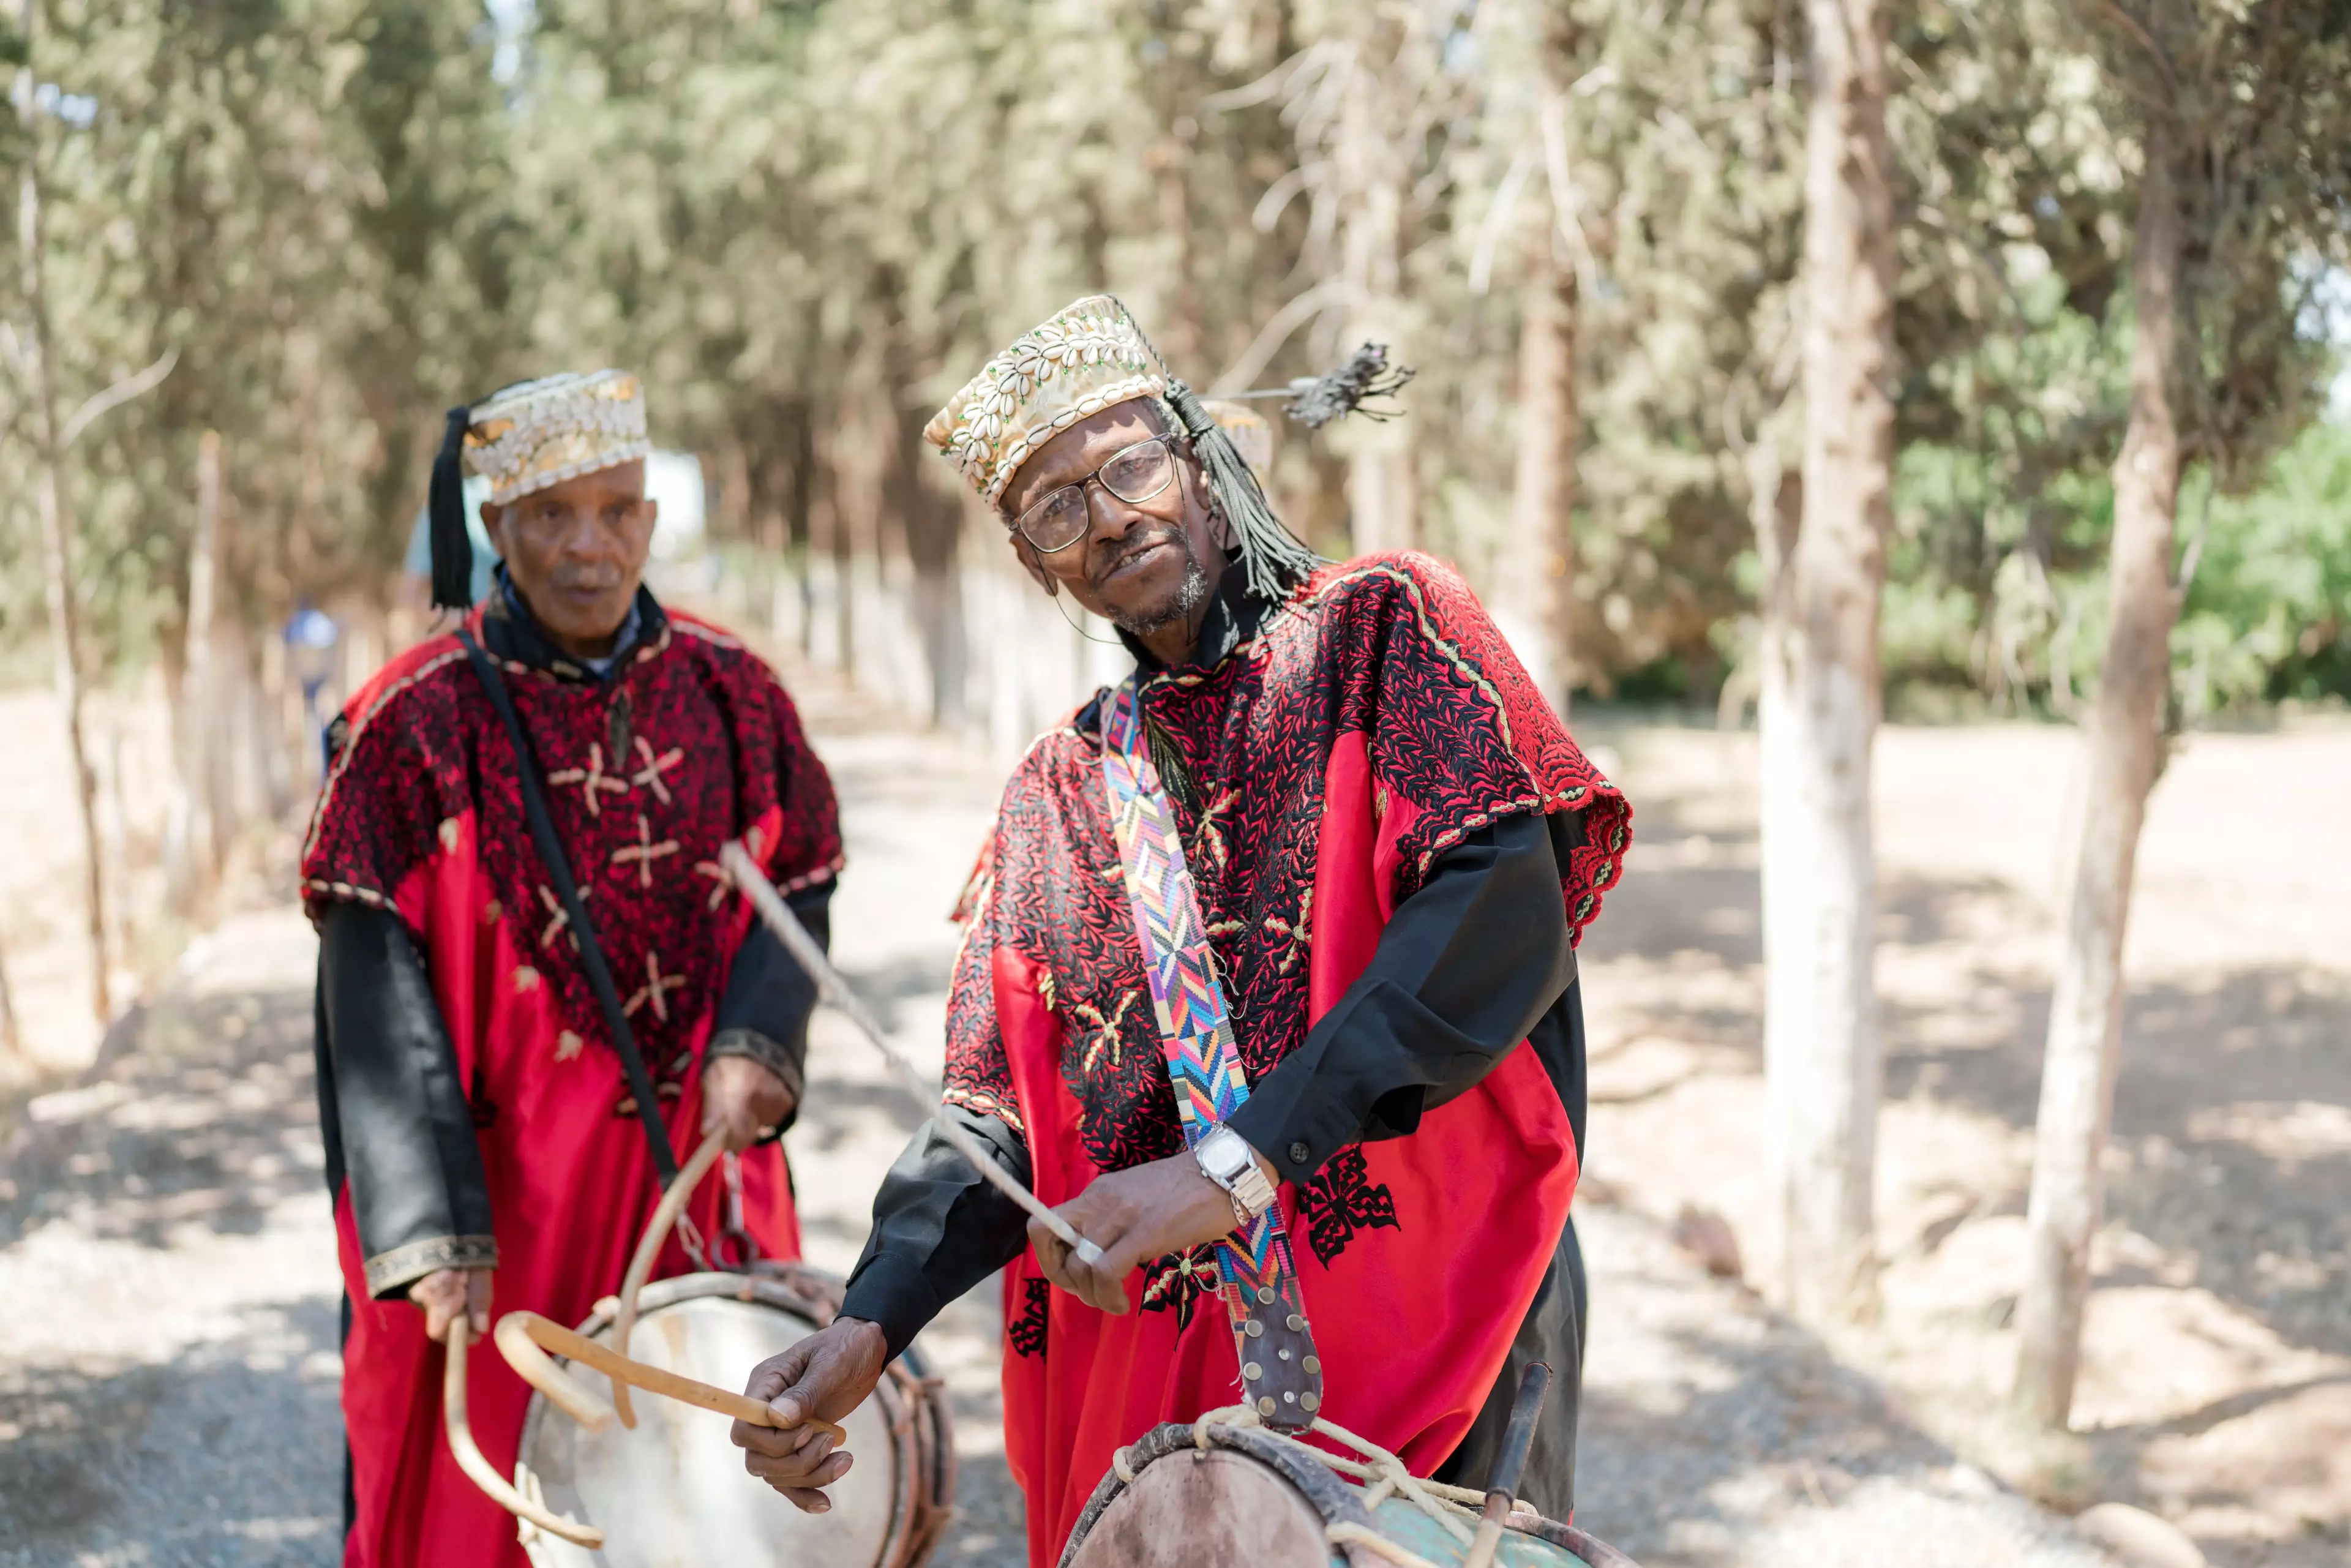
(477,1299)
(1052,1258)
(778,1443)
(775,1374)
(1103,1287)
(796,1473)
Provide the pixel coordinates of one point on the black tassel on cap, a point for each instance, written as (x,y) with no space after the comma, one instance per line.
(453,546)
(1273,557)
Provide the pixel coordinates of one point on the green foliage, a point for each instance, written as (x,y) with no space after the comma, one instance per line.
(806,223)
(2268,616)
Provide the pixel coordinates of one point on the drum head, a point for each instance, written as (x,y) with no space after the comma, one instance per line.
(673,1492)
(1205,1510)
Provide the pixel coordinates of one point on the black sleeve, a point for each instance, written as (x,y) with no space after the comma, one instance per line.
(765,1013)
(1464,971)
(939,1229)
(398,1123)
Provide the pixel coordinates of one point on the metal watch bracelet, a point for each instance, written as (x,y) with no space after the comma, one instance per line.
(1224,1157)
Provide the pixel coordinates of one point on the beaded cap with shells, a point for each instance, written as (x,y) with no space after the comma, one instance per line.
(1084,358)
(533,434)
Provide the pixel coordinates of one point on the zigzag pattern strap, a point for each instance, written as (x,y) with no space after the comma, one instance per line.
(1203,1066)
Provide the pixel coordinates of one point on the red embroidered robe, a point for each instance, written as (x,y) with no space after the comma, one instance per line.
(1367,727)
(691,742)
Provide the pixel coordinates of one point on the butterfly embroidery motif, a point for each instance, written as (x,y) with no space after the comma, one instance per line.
(1177,1281)
(1344,1200)
(1026,1331)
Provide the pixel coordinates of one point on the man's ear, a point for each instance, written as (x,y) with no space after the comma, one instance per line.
(1220,527)
(494,517)
(1035,568)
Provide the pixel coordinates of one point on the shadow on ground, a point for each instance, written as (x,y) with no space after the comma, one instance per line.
(246,1430)
(204,1114)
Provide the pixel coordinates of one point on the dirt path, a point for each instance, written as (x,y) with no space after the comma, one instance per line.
(167,1380)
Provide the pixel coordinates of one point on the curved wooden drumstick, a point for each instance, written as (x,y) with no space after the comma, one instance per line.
(478,1469)
(649,1246)
(525,1338)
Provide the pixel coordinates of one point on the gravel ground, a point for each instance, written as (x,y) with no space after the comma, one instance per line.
(167,1380)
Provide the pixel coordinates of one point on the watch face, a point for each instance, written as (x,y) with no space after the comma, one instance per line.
(1222,1156)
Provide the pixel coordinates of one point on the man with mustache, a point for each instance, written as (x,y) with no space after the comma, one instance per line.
(496,1119)
(1267,981)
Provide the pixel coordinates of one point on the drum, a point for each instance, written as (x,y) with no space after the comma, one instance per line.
(1250,1498)
(673,1491)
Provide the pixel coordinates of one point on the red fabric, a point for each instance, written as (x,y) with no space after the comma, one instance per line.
(421,814)
(1369,725)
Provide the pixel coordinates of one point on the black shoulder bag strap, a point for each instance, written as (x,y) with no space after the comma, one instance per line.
(558,870)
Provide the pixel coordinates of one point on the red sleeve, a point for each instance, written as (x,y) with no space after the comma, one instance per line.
(807,848)
(979,1070)
(1457,732)
(398,776)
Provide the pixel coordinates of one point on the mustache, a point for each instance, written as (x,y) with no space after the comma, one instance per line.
(1113,556)
(590,575)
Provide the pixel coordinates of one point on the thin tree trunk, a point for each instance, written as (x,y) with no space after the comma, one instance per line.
(2084,1049)
(1820,698)
(56,513)
(1535,578)
(195,858)
(1382,482)
(11,1041)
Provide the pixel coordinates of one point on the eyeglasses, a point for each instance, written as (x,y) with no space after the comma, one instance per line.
(1134,475)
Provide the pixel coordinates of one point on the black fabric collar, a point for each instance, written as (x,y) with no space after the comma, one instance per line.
(1232,619)
(510,632)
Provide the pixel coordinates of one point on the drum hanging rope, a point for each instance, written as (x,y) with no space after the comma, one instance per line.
(803,948)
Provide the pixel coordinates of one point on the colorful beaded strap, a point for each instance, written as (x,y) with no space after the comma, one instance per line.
(1281,1374)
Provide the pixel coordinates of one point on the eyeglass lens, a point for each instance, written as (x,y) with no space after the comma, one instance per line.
(1135,474)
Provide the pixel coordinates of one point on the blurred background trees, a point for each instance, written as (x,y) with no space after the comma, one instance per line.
(806,222)
(1584,221)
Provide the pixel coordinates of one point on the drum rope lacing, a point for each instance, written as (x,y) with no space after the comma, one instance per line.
(1381,1474)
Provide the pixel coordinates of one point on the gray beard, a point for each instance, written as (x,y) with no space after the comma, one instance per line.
(1188,596)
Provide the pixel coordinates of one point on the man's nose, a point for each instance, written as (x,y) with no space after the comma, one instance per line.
(586,539)
(1108,517)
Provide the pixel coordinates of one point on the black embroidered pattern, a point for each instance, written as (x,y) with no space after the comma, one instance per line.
(1342,1201)
(1393,647)
(643,829)
(1176,1282)
(1027,1332)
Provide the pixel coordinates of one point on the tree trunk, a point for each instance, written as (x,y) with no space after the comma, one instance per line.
(1820,698)
(195,851)
(2077,1082)
(56,514)
(12,1043)
(1382,481)
(1534,578)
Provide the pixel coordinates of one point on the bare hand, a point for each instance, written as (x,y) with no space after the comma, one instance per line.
(826,1375)
(744,1098)
(1135,1216)
(445,1292)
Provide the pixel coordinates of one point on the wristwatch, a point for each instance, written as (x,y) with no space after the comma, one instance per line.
(1224,1157)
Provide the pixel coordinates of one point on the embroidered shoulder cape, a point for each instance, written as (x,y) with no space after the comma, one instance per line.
(691,742)
(1329,760)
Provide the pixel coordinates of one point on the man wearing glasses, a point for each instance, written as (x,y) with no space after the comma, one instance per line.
(495,1117)
(1268,982)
